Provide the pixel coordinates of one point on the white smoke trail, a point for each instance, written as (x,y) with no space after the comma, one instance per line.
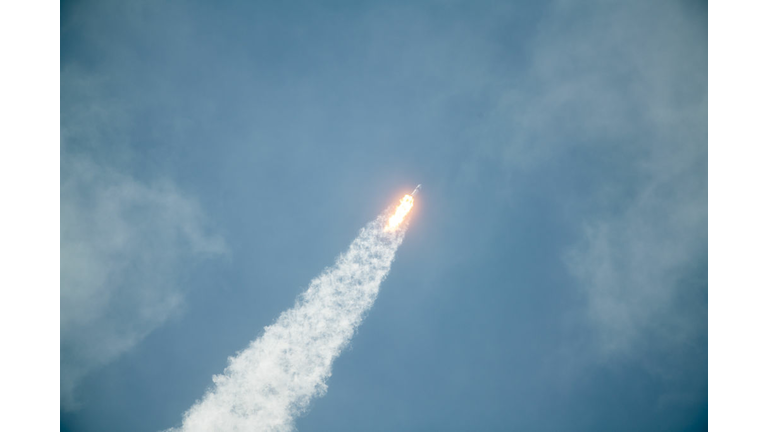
(273,380)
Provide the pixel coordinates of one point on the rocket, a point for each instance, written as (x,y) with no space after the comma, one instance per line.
(415,191)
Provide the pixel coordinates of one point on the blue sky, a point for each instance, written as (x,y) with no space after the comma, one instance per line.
(216,157)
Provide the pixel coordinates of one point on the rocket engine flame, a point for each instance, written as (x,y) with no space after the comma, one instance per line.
(405,206)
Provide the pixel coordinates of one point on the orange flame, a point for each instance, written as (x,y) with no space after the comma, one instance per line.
(405,206)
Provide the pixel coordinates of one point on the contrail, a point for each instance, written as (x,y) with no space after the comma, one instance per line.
(273,380)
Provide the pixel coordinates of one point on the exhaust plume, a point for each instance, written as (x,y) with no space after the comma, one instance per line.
(273,380)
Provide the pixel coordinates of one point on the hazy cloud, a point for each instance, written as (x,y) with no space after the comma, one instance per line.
(122,241)
(627,85)
(634,262)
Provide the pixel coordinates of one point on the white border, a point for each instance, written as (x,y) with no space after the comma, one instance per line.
(29,197)
(738,216)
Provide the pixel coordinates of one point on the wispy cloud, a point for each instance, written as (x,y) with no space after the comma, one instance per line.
(639,73)
(628,83)
(122,243)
